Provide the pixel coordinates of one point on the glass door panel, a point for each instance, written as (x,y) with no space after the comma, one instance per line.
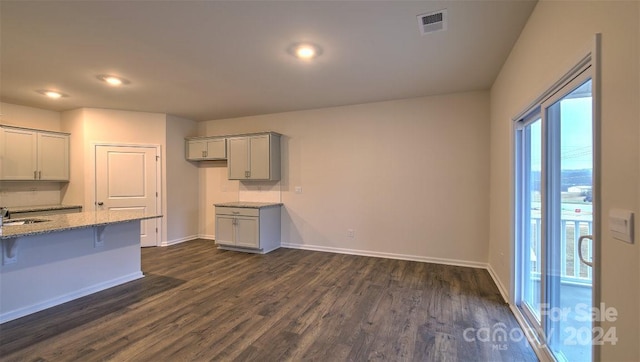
(531,206)
(568,216)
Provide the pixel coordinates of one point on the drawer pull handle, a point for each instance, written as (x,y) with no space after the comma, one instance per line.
(235,212)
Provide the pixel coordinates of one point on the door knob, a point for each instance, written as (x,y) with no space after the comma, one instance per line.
(100,203)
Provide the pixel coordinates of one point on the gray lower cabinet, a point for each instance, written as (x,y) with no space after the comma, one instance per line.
(248,229)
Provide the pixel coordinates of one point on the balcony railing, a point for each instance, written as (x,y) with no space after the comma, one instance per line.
(573,271)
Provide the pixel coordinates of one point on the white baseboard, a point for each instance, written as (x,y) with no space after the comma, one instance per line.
(501,288)
(178,241)
(207,237)
(376,254)
(17,313)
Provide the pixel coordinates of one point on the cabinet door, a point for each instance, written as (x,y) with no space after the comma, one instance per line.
(247,232)
(238,154)
(259,157)
(53,157)
(196,150)
(18,154)
(217,149)
(225,230)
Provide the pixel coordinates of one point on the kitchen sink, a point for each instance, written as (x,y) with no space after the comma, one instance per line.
(23,221)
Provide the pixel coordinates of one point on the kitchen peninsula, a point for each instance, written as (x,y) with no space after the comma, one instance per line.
(53,259)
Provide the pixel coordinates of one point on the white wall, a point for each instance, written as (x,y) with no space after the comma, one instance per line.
(29,117)
(556,36)
(409,176)
(73,192)
(182,177)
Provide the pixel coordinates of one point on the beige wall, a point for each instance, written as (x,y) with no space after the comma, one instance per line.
(29,117)
(182,177)
(557,36)
(409,176)
(73,193)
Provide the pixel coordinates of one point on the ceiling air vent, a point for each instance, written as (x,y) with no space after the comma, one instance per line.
(433,22)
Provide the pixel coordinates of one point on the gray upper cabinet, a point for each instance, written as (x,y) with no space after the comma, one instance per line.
(254,157)
(206,149)
(28,154)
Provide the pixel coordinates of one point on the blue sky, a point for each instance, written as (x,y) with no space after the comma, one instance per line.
(576,135)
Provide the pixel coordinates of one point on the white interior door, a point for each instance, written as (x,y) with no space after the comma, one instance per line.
(126,179)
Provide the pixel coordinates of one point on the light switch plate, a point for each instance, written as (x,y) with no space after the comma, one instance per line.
(621,225)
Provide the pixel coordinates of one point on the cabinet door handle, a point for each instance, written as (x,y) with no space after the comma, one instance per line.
(247,174)
(204,153)
(35,175)
(39,175)
(582,259)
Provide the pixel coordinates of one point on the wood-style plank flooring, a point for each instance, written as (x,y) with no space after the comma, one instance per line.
(198,303)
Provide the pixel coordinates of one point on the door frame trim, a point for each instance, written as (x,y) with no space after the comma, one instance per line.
(92,178)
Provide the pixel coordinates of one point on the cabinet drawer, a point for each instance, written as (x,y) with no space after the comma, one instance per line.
(237,211)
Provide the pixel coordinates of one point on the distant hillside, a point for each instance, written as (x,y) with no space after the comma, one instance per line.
(568,178)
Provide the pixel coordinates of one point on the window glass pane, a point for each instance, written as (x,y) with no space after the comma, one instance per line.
(531,159)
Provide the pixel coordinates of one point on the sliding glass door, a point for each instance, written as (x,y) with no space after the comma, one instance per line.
(569,217)
(554,219)
(530,187)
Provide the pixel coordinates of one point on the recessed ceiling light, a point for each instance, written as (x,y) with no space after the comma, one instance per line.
(51,93)
(305,51)
(112,80)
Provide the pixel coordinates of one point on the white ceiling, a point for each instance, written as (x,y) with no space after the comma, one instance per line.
(208,60)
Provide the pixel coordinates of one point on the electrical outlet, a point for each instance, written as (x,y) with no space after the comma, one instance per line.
(298,189)
(351,233)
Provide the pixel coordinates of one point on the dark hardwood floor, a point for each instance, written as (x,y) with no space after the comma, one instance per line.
(199,303)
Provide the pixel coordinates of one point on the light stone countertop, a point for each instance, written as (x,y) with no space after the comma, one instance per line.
(249,205)
(72,221)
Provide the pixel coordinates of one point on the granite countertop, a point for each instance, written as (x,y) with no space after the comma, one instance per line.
(18,209)
(249,205)
(64,222)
